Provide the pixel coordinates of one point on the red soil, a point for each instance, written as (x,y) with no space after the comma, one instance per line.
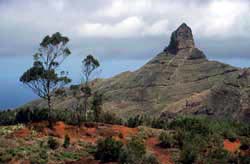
(21,133)
(162,154)
(91,134)
(231,146)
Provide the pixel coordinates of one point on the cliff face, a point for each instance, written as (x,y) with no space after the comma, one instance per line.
(179,80)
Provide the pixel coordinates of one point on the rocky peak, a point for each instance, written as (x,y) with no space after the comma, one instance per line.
(181,38)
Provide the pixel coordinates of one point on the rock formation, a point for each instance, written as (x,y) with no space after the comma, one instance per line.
(181,38)
(179,80)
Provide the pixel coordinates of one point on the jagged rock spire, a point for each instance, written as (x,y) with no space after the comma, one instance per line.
(180,39)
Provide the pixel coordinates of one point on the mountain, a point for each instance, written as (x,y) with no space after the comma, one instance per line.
(179,80)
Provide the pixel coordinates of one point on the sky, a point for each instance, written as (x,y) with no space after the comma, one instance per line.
(122,34)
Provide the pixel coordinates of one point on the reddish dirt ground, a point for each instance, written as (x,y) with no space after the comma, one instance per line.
(25,132)
(231,146)
(162,154)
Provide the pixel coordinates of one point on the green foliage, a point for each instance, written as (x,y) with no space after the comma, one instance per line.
(74,87)
(42,78)
(229,134)
(193,125)
(159,123)
(110,118)
(188,156)
(244,159)
(8,117)
(62,156)
(150,159)
(135,121)
(5,157)
(97,105)
(53,143)
(108,150)
(134,151)
(244,130)
(66,142)
(166,140)
(39,158)
(25,115)
(217,155)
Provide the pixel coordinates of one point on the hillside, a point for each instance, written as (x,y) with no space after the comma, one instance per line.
(179,80)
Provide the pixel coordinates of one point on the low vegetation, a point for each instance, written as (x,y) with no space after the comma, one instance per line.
(197,139)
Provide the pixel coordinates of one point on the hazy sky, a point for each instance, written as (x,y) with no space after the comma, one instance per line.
(126,29)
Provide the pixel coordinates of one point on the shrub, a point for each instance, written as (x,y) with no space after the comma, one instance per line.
(66,142)
(39,158)
(166,140)
(218,155)
(110,118)
(244,159)
(188,155)
(8,117)
(159,123)
(244,130)
(191,124)
(135,121)
(5,157)
(53,143)
(134,151)
(97,105)
(229,134)
(25,115)
(150,159)
(108,150)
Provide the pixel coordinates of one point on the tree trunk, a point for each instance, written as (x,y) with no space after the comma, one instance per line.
(85,108)
(49,111)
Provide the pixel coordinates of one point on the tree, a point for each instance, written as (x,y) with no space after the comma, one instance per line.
(42,77)
(97,105)
(89,65)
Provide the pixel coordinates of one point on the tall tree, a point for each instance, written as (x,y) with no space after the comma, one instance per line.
(89,65)
(43,77)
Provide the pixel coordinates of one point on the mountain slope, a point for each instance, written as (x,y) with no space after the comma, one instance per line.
(179,80)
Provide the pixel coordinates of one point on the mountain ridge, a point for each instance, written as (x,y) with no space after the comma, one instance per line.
(179,80)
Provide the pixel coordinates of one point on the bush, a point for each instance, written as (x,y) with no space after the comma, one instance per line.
(218,155)
(39,158)
(159,123)
(66,142)
(244,159)
(135,121)
(229,134)
(110,118)
(134,151)
(108,150)
(244,130)
(191,124)
(188,155)
(53,143)
(150,159)
(166,140)
(25,115)
(8,117)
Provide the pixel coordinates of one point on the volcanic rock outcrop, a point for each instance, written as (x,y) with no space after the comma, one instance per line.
(179,80)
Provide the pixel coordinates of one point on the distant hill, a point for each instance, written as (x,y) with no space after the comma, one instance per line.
(179,80)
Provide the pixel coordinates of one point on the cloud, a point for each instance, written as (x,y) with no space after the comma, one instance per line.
(126,28)
(129,27)
(223,18)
